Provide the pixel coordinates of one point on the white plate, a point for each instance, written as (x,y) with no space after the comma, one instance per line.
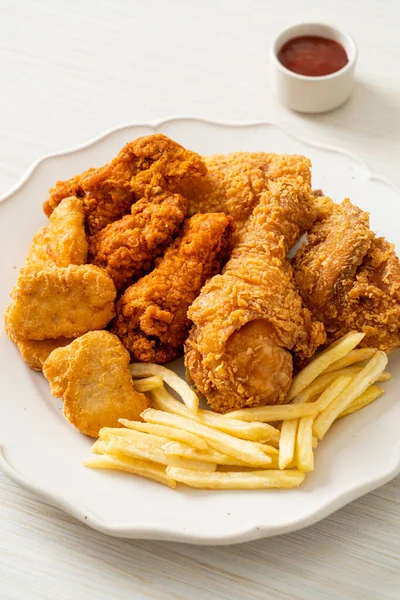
(43,453)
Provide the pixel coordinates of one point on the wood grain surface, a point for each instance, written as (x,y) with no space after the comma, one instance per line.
(71,70)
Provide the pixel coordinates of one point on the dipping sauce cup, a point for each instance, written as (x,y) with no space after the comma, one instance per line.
(313,93)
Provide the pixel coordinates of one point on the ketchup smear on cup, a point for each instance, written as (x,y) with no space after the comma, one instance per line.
(313,56)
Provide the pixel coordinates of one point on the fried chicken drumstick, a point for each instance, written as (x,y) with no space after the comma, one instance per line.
(235,181)
(349,278)
(151,317)
(248,319)
(142,168)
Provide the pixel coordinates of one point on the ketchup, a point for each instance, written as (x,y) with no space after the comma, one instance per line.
(313,56)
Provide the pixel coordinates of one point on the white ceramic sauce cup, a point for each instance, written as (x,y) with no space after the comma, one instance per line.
(313,94)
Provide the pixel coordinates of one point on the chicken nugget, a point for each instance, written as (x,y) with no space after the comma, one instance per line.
(63,241)
(91,375)
(60,302)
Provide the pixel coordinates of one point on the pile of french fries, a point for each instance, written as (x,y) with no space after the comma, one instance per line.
(251,448)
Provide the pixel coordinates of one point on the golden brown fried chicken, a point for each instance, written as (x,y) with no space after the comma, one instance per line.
(91,375)
(141,169)
(234,183)
(248,319)
(126,249)
(36,352)
(152,314)
(349,279)
(60,302)
(63,241)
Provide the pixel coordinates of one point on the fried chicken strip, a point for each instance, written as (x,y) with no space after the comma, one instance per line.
(234,183)
(126,249)
(152,314)
(248,319)
(141,169)
(350,279)
(60,302)
(91,375)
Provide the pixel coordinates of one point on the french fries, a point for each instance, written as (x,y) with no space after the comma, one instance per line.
(274,413)
(355,356)
(371,394)
(223,442)
(171,378)
(130,465)
(147,383)
(247,480)
(287,442)
(252,448)
(172,433)
(304,450)
(336,351)
(255,431)
(355,388)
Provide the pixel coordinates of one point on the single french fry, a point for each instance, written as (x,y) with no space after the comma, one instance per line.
(304,450)
(99,447)
(223,442)
(194,464)
(336,351)
(287,442)
(333,390)
(355,356)
(132,436)
(237,480)
(171,378)
(172,433)
(147,383)
(355,388)
(273,412)
(130,465)
(371,394)
(260,432)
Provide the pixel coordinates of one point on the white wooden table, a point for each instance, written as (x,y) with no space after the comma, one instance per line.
(70,70)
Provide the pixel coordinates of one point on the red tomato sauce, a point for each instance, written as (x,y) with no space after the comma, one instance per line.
(313,56)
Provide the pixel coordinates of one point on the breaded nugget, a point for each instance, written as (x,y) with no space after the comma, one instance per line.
(63,241)
(143,167)
(91,375)
(60,302)
(126,249)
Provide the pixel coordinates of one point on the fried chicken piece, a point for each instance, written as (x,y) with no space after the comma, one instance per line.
(349,279)
(91,375)
(151,317)
(63,241)
(60,302)
(234,183)
(248,319)
(126,249)
(143,167)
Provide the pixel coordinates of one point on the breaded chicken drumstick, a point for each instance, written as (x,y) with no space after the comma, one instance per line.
(247,320)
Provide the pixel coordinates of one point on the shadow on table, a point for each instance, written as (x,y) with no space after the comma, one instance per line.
(369,109)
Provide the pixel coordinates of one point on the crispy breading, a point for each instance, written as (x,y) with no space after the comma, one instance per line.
(91,375)
(63,241)
(126,249)
(234,183)
(248,319)
(141,169)
(152,314)
(349,279)
(60,302)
